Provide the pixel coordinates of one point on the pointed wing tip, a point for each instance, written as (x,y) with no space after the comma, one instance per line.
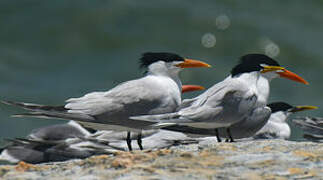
(21,115)
(7,102)
(162,125)
(17,116)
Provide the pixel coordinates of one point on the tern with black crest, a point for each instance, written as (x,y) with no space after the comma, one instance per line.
(159,91)
(243,93)
(275,126)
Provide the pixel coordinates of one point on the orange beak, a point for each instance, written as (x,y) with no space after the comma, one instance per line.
(292,76)
(189,88)
(190,63)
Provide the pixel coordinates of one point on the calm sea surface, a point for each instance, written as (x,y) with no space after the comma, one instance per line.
(53,50)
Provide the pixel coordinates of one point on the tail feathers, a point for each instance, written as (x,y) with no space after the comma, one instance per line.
(35,107)
(43,111)
(58,115)
(17,142)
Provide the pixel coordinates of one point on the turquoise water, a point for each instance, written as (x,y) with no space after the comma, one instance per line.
(53,50)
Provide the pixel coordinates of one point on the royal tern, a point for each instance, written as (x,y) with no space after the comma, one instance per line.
(50,143)
(275,127)
(75,142)
(35,151)
(59,132)
(258,124)
(157,92)
(70,140)
(312,127)
(244,92)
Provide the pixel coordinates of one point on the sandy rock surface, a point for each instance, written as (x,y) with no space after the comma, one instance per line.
(270,159)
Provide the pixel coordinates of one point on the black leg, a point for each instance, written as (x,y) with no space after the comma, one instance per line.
(229,135)
(129,141)
(217,135)
(139,141)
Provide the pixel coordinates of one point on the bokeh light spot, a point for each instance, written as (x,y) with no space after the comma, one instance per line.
(208,40)
(223,22)
(271,49)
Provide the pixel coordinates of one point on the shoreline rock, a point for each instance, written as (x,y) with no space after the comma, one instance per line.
(266,159)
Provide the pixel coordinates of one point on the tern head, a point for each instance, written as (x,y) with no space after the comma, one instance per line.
(268,67)
(285,107)
(168,62)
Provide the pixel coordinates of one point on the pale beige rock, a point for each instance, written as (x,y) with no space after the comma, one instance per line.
(272,159)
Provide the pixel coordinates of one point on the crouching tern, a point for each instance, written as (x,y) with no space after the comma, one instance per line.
(156,93)
(71,141)
(260,127)
(50,143)
(257,125)
(276,126)
(242,93)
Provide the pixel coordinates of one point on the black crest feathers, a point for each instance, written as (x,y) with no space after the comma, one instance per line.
(252,62)
(279,106)
(152,57)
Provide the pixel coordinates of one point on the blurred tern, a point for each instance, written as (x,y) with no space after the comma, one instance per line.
(50,143)
(156,93)
(312,127)
(276,126)
(60,132)
(71,141)
(244,92)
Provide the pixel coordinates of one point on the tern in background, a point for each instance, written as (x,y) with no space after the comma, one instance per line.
(275,127)
(312,127)
(256,125)
(50,143)
(242,93)
(156,93)
(71,141)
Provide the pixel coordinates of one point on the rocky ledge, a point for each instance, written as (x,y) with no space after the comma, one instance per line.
(270,159)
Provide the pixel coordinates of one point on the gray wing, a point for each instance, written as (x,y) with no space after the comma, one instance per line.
(131,98)
(136,97)
(17,153)
(249,125)
(59,132)
(225,102)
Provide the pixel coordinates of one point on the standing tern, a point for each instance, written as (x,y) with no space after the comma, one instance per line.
(70,140)
(242,93)
(62,142)
(157,92)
